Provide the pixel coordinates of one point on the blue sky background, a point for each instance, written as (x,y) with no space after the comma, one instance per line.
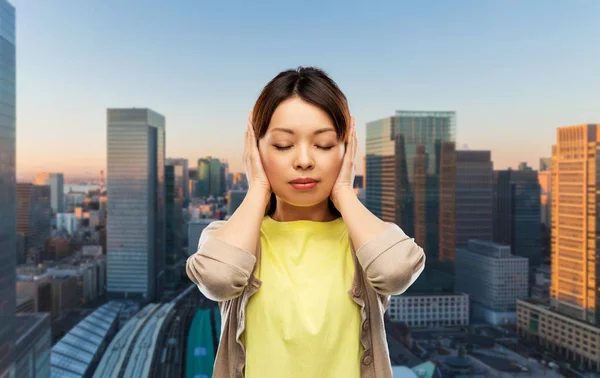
(513,70)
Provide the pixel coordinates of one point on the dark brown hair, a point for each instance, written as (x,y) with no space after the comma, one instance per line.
(312,85)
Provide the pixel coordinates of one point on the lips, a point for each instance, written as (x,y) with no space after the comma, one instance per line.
(303,181)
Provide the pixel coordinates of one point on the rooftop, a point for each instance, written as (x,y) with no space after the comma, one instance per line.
(73,355)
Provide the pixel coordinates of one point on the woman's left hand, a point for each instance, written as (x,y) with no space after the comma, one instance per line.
(345,179)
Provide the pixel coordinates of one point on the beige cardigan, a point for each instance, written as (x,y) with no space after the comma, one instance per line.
(386,265)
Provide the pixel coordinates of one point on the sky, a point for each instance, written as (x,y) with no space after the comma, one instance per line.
(513,70)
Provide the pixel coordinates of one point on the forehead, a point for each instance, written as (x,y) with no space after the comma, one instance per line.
(299,116)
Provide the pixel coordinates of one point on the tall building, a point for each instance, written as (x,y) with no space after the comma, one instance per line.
(224,174)
(545,180)
(56,182)
(575,222)
(570,326)
(8,220)
(174,227)
(493,278)
(34,214)
(410,167)
(211,177)
(474,184)
(203,178)
(517,212)
(217,178)
(136,206)
(181,182)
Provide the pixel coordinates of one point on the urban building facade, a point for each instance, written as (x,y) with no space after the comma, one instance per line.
(474,189)
(430,310)
(517,212)
(8,220)
(34,214)
(493,278)
(174,219)
(56,182)
(182,175)
(136,188)
(410,170)
(575,223)
(565,336)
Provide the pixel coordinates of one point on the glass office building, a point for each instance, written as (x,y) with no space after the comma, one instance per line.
(8,220)
(136,204)
(410,166)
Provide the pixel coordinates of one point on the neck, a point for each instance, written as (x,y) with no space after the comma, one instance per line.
(284,212)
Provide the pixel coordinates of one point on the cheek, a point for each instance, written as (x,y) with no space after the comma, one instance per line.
(331,167)
(271,164)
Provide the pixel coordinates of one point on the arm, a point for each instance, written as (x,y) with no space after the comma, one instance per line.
(391,260)
(226,250)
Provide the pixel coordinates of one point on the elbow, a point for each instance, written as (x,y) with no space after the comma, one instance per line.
(395,277)
(216,281)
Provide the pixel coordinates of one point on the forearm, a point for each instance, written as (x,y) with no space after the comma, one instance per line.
(362,225)
(391,260)
(242,229)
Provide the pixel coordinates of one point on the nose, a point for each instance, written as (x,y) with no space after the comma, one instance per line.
(304,159)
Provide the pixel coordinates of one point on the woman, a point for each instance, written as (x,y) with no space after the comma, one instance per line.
(303,285)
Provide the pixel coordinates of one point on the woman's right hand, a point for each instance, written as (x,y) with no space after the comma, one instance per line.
(255,172)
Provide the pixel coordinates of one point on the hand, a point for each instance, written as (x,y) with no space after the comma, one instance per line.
(253,165)
(345,179)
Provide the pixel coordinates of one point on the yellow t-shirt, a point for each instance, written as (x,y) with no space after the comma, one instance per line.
(302,322)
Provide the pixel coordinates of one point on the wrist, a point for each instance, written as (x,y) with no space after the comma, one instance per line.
(341,196)
(259,194)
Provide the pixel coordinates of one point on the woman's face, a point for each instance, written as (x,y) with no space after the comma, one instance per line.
(301,153)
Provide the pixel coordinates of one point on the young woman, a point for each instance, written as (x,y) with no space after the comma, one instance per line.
(302,270)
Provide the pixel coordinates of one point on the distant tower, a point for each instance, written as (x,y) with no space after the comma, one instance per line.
(101,181)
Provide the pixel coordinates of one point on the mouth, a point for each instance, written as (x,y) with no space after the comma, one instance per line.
(304,183)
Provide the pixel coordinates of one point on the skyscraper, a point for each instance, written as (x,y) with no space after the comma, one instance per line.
(8,220)
(211,177)
(545,180)
(217,178)
(410,166)
(203,178)
(474,185)
(34,213)
(517,212)
(183,185)
(56,183)
(136,203)
(575,222)
(174,226)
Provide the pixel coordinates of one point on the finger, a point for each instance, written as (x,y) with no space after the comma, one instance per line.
(355,137)
(247,140)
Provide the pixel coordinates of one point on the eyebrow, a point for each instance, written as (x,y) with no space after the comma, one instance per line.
(290,131)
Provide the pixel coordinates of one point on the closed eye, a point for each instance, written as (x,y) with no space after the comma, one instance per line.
(283,148)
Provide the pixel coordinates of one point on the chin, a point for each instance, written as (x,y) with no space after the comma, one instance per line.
(305,200)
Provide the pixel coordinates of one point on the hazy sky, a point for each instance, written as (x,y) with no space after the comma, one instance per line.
(512,70)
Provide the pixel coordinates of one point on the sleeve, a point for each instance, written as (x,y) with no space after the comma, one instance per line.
(221,271)
(392,261)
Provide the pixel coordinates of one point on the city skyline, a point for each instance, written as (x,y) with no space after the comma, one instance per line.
(491,63)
